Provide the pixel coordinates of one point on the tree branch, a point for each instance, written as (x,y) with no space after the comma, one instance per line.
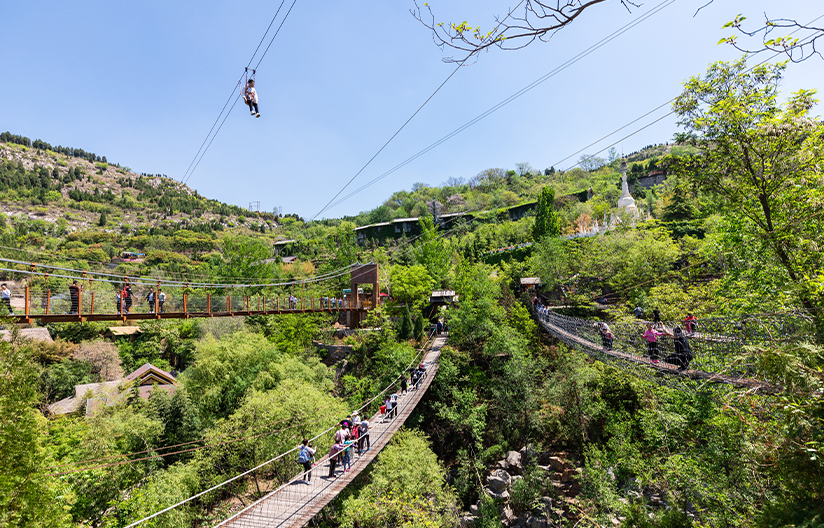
(796,49)
(540,20)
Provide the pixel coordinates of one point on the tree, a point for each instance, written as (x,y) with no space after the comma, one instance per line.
(433,253)
(406,488)
(547,221)
(102,221)
(411,285)
(591,163)
(103,357)
(796,49)
(26,496)
(766,161)
(536,19)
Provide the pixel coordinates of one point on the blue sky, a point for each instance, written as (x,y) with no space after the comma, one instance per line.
(142,82)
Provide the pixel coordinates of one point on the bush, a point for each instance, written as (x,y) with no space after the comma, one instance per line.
(526,492)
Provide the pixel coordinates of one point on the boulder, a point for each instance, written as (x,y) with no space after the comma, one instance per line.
(468,520)
(507,515)
(499,480)
(513,461)
(537,522)
(503,495)
(502,464)
(568,475)
(473,510)
(558,464)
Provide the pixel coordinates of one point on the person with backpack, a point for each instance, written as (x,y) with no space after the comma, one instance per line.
(393,400)
(346,463)
(306,456)
(683,353)
(127,297)
(363,436)
(691,323)
(117,301)
(161,298)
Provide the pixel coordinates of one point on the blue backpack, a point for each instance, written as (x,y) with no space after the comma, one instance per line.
(304,455)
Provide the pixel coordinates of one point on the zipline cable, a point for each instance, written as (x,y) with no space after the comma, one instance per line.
(189,171)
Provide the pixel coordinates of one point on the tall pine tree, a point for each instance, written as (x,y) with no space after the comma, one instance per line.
(547,221)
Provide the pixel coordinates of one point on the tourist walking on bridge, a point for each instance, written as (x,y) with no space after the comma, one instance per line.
(363,436)
(683,353)
(306,456)
(651,335)
(606,335)
(334,456)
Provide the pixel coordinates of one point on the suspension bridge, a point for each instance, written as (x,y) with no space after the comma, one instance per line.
(295,502)
(713,355)
(51,294)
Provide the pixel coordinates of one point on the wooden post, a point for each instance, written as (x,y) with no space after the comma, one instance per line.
(79,303)
(92,303)
(28,292)
(48,301)
(185,307)
(209,302)
(156,303)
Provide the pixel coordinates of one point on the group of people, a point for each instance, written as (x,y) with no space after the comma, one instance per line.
(333,302)
(353,434)
(681,356)
(124,299)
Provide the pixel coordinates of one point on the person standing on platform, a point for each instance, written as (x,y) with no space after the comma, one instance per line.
(5,295)
(74,295)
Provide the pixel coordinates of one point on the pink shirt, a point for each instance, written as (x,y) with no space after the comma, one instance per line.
(652,335)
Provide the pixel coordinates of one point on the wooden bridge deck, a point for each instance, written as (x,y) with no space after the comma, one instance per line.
(294,504)
(83,317)
(660,366)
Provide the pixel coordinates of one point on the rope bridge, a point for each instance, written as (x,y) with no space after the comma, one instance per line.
(296,501)
(715,349)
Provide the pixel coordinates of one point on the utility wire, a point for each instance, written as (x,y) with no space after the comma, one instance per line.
(516,95)
(438,89)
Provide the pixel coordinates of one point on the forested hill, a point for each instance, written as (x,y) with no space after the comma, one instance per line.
(70,184)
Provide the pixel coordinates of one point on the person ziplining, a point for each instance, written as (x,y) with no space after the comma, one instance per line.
(250,96)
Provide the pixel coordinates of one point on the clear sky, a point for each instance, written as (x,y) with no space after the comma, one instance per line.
(142,82)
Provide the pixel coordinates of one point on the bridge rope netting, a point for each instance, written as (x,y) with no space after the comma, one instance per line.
(712,350)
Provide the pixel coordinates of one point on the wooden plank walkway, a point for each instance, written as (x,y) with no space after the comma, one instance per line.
(294,504)
(82,318)
(660,366)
